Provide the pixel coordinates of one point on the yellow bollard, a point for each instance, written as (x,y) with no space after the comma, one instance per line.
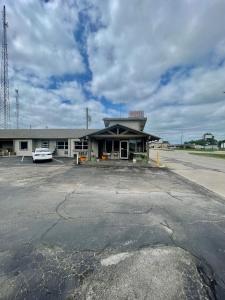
(158,159)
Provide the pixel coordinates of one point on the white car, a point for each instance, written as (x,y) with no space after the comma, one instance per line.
(41,154)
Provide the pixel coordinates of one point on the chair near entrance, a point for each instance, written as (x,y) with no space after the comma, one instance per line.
(112,155)
(83,158)
(105,156)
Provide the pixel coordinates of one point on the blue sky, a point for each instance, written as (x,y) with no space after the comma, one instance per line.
(164,57)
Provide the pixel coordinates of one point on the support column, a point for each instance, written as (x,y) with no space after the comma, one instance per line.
(147,148)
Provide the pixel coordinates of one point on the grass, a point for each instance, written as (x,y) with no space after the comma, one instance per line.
(197,150)
(222,156)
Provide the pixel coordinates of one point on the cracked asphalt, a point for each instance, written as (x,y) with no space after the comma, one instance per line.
(72,232)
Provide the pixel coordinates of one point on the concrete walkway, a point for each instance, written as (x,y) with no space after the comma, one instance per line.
(119,164)
(205,171)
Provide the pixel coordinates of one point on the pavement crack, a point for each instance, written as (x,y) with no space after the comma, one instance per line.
(131,213)
(207,221)
(49,228)
(167,227)
(175,197)
(57,210)
(204,269)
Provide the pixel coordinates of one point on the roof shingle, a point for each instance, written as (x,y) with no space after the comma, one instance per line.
(44,133)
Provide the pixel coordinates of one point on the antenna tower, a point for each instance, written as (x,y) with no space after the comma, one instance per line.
(4,99)
(17,108)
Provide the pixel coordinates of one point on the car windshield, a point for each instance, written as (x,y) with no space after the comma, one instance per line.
(42,150)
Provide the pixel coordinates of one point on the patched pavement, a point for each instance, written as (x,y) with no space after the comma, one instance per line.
(68,232)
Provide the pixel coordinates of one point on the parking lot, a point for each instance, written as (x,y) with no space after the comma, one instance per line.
(75,232)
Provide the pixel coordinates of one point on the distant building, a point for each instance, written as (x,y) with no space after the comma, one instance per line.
(160,144)
(222,144)
(208,136)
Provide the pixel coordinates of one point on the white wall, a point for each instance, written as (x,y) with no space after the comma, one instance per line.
(20,152)
(38,144)
(132,124)
(62,152)
(71,147)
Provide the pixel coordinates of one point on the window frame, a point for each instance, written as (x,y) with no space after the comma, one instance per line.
(63,146)
(82,145)
(44,143)
(23,149)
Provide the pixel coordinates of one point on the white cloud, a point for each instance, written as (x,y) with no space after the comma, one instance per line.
(141,42)
(41,40)
(40,107)
(129,48)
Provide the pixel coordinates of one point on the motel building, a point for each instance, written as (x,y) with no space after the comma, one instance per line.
(121,138)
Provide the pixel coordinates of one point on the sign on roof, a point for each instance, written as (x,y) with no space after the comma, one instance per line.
(136,114)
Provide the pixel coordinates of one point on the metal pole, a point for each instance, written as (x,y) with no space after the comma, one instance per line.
(181,138)
(87,117)
(4,100)
(17,108)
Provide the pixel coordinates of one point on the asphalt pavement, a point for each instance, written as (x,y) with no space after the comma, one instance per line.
(73,232)
(208,172)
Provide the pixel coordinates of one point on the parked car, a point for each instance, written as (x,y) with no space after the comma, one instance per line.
(41,154)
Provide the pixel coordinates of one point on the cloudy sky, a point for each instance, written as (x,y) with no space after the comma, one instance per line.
(164,57)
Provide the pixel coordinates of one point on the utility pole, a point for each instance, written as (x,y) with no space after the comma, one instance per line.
(17,108)
(181,138)
(4,99)
(88,118)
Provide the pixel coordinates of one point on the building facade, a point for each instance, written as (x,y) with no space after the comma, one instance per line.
(121,138)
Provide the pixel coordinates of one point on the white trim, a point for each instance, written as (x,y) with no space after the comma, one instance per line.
(124,141)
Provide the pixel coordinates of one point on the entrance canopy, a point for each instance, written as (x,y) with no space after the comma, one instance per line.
(119,142)
(120,132)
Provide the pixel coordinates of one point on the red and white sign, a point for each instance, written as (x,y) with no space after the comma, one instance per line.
(136,114)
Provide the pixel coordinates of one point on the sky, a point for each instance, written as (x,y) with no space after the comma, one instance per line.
(166,58)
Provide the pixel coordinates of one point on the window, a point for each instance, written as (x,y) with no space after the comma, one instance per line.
(81,145)
(24,145)
(132,146)
(44,144)
(139,146)
(62,145)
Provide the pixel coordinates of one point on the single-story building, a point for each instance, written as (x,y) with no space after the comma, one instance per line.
(160,144)
(120,139)
(221,144)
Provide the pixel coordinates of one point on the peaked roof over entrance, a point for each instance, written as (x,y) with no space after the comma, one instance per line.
(130,121)
(119,131)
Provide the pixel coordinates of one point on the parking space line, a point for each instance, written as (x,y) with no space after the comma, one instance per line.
(60,161)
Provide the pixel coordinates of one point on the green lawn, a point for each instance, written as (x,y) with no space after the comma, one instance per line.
(210,155)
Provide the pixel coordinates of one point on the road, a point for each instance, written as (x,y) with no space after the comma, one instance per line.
(206,171)
(74,232)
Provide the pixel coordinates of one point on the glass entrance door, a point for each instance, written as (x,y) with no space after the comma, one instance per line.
(124,149)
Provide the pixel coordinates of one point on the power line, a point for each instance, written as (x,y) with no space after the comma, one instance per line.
(4,100)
